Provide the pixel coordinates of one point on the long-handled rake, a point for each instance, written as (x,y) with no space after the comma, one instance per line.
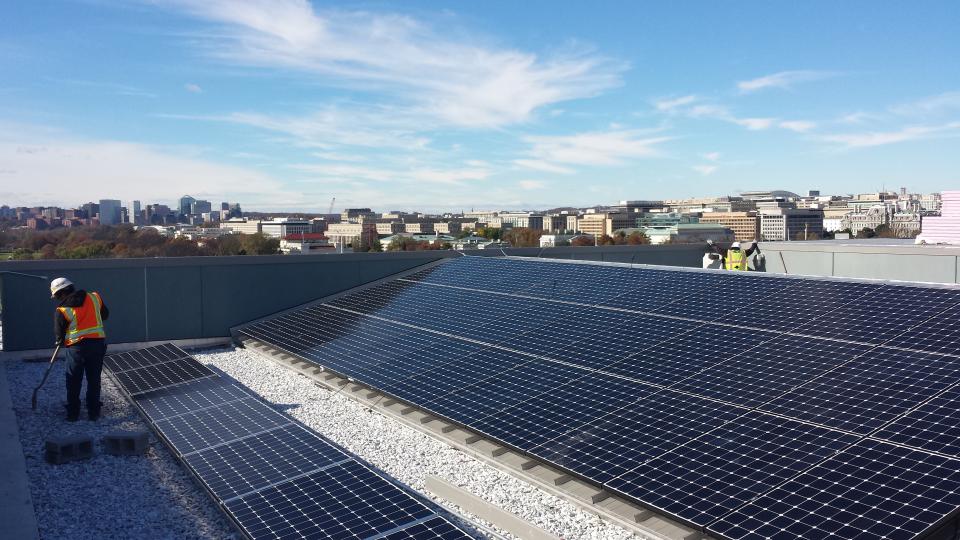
(33,401)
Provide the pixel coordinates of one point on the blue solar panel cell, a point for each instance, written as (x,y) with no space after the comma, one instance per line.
(934,426)
(751,377)
(553,413)
(147,356)
(628,437)
(483,273)
(345,501)
(871,490)
(685,354)
(940,334)
(877,317)
(869,391)
(717,472)
(713,296)
(190,397)
(435,527)
(487,396)
(161,375)
(216,425)
(249,464)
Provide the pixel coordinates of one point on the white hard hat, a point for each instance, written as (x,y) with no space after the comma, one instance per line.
(735,245)
(59,284)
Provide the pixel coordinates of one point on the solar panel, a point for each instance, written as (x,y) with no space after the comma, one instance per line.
(872,490)
(626,438)
(435,527)
(252,463)
(487,396)
(938,334)
(273,476)
(933,426)
(189,397)
(143,357)
(717,472)
(753,376)
(877,317)
(696,393)
(224,423)
(685,354)
(161,375)
(553,413)
(344,501)
(870,390)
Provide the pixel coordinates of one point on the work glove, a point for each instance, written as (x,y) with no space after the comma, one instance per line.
(709,242)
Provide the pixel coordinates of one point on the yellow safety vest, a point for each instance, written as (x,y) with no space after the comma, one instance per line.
(84,322)
(736,260)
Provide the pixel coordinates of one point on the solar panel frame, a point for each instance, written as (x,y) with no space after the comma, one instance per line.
(196,431)
(148,356)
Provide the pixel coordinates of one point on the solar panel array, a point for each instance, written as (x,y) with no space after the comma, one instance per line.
(274,477)
(748,406)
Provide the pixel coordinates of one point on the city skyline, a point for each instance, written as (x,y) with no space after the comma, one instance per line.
(444,107)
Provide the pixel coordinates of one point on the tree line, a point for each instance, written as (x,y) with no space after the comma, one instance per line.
(123,241)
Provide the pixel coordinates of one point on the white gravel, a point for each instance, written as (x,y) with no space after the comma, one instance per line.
(147,497)
(407,454)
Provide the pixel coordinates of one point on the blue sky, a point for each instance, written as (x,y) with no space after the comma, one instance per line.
(283,104)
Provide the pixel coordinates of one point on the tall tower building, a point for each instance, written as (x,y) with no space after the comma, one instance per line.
(109,211)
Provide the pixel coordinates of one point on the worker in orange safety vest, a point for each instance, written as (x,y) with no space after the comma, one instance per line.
(78,326)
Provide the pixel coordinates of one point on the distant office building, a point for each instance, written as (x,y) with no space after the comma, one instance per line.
(418,227)
(110,211)
(133,213)
(600,223)
(813,193)
(745,225)
(691,233)
(345,233)
(783,224)
(286,227)
(242,225)
(628,207)
(356,215)
(186,204)
(198,207)
(90,210)
(521,219)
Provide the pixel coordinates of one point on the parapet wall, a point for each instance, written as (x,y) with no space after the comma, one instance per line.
(193,298)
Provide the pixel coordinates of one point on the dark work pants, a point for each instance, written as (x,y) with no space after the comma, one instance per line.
(84,358)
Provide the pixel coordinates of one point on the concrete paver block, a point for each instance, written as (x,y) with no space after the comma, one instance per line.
(59,450)
(126,443)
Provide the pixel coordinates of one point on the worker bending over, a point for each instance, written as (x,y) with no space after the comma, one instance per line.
(736,258)
(78,326)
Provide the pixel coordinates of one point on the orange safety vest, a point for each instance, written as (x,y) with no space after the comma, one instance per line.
(84,321)
(736,260)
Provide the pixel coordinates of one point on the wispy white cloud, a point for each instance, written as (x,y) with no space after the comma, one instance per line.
(460,82)
(755,124)
(193,88)
(799,126)
(783,80)
(336,126)
(711,156)
(530,185)
(395,174)
(540,165)
(880,138)
(670,104)
(705,170)
(942,103)
(337,156)
(858,117)
(595,148)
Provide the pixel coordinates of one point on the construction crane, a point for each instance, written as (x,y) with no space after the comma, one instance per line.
(332,202)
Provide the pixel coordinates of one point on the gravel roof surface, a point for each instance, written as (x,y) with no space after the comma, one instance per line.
(405,453)
(147,497)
